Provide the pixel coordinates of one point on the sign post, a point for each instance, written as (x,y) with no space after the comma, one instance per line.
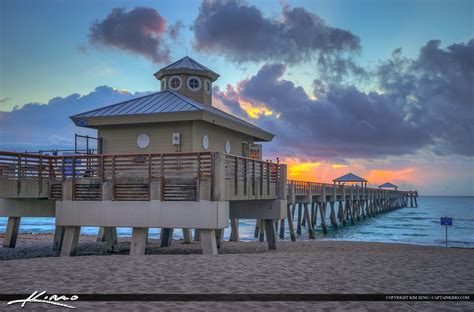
(446,221)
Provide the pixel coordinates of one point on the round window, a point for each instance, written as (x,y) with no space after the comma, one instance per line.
(205,142)
(163,84)
(175,83)
(143,141)
(227,147)
(194,83)
(208,87)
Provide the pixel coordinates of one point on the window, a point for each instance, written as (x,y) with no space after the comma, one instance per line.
(194,83)
(163,84)
(205,142)
(175,83)
(208,87)
(143,140)
(227,147)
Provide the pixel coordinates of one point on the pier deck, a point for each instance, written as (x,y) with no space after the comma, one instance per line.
(199,191)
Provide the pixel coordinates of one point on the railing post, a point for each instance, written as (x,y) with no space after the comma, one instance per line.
(281,182)
(218,183)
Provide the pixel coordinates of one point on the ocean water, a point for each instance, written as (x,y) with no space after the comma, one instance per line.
(407,225)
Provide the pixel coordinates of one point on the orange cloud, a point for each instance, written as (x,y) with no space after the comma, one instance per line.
(321,171)
(254,111)
(337,166)
(379,176)
(302,170)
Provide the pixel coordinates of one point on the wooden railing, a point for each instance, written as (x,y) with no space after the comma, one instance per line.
(179,176)
(248,178)
(133,176)
(305,188)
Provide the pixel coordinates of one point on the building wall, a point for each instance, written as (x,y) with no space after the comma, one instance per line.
(217,138)
(200,96)
(122,139)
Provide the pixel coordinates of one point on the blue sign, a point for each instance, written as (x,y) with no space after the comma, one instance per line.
(446,221)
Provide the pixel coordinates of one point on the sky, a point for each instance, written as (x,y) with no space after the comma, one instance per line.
(379,88)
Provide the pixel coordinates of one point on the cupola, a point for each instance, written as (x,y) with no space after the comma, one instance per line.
(189,78)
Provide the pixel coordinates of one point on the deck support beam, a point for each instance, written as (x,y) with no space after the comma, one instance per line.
(138,243)
(70,240)
(208,241)
(11,234)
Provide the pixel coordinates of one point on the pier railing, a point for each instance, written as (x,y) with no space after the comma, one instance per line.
(250,179)
(166,177)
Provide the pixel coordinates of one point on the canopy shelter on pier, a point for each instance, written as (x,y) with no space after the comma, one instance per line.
(388,185)
(350,178)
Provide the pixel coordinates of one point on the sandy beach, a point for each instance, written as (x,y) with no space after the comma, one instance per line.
(320,267)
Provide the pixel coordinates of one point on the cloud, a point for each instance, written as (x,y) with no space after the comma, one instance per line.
(140,31)
(241,33)
(175,29)
(37,126)
(436,91)
(427,103)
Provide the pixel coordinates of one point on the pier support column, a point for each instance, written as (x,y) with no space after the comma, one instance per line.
(138,243)
(300,216)
(70,240)
(282,228)
(219,237)
(11,234)
(350,211)
(187,236)
(261,234)
(111,242)
(270,234)
(166,237)
(234,227)
(314,212)
(333,216)
(100,235)
(290,224)
(58,238)
(357,210)
(416,202)
(197,236)
(208,241)
(257,228)
(308,222)
(322,213)
(340,214)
